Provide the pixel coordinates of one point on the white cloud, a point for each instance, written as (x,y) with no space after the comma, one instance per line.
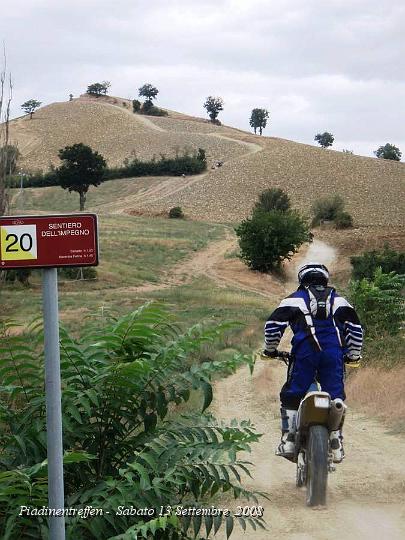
(315,65)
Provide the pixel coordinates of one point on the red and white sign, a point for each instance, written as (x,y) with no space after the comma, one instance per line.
(48,241)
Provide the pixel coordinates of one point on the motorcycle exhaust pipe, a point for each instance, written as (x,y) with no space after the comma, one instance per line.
(336,414)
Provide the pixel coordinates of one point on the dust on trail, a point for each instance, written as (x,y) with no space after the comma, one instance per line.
(366,494)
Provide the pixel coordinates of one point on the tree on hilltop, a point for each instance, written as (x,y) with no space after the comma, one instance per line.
(149,92)
(325,139)
(98,89)
(31,106)
(389,151)
(81,168)
(258,119)
(214,105)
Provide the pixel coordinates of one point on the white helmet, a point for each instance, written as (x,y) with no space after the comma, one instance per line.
(313,271)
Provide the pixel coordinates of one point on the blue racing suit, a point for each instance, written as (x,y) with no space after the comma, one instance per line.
(322,337)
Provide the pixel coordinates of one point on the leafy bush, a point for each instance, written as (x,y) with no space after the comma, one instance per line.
(85,272)
(151,110)
(22,275)
(379,302)
(327,209)
(273,199)
(267,238)
(388,151)
(176,166)
(9,156)
(343,221)
(389,260)
(176,213)
(121,386)
(136,105)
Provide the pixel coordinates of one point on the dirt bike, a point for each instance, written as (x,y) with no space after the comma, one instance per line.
(318,415)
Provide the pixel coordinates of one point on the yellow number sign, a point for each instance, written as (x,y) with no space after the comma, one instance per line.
(18,242)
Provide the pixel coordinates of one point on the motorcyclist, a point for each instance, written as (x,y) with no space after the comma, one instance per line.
(327,333)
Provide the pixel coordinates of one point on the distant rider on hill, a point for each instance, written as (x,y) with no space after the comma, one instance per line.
(327,333)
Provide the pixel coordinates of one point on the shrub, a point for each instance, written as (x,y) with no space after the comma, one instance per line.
(273,199)
(267,238)
(151,110)
(176,213)
(85,272)
(21,275)
(343,220)
(388,151)
(136,105)
(389,260)
(181,164)
(327,209)
(119,384)
(9,156)
(379,302)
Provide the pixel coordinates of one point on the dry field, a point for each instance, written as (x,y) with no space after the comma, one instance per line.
(373,189)
(112,130)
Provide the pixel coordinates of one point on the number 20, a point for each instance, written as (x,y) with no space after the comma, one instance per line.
(20,241)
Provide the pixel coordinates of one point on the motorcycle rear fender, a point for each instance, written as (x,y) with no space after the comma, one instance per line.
(314,410)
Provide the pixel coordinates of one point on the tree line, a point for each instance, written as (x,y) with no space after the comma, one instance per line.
(213,105)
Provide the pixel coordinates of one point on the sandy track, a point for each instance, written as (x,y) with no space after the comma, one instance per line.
(366,493)
(171,186)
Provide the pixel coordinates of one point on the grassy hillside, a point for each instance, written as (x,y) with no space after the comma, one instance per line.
(373,189)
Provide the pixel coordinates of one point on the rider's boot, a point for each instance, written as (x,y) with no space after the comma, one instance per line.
(286,448)
(336,445)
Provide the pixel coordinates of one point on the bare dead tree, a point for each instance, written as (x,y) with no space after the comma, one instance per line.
(6,95)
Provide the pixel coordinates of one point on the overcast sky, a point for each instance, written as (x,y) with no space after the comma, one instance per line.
(316,65)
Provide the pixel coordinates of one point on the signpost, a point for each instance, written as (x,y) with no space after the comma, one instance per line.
(50,242)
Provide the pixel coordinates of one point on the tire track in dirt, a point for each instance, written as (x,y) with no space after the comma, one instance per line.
(366,494)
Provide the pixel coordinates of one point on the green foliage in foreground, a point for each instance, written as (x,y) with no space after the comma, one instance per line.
(124,443)
(365,265)
(267,238)
(380,303)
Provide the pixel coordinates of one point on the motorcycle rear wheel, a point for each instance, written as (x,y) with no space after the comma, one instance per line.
(317,465)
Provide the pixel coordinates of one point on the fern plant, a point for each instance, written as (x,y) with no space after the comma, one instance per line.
(125,445)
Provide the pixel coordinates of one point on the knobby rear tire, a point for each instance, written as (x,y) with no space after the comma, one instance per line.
(317,473)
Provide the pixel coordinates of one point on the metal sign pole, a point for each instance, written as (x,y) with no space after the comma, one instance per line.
(53,402)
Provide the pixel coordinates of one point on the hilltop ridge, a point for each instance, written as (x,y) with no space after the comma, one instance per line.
(373,189)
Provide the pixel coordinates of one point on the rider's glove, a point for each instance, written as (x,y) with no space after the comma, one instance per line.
(270,354)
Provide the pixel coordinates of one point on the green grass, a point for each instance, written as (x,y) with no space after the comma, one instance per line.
(56,199)
(202,300)
(133,251)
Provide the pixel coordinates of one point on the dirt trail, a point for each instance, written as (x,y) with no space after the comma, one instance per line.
(168,187)
(366,493)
